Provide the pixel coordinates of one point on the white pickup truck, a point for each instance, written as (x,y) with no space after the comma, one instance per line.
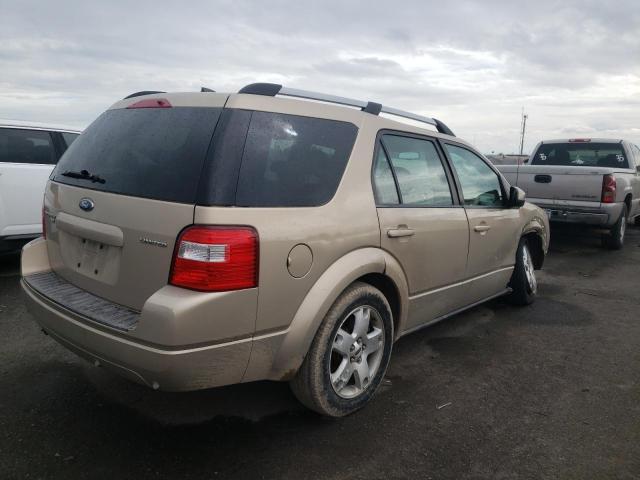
(583,181)
(28,153)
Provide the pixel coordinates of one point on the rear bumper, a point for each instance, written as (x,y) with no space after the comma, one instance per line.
(171,370)
(160,366)
(606,215)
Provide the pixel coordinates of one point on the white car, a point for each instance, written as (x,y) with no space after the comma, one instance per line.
(28,153)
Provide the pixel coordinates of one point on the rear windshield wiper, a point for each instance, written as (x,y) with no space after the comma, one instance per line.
(84,175)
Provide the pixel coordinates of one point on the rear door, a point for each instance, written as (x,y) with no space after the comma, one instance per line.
(421,222)
(26,160)
(122,193)
(494,229)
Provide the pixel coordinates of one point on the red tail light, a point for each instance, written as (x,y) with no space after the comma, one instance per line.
(215,259)
(608,189)
(151,103)
(44,223)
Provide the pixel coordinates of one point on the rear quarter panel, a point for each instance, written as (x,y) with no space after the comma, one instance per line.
(346,223)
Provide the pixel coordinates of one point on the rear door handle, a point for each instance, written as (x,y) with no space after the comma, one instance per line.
(400,232)
(481,228)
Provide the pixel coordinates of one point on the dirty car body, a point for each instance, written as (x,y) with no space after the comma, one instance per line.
(195,240)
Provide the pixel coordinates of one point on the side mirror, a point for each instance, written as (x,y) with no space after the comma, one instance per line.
(516,197)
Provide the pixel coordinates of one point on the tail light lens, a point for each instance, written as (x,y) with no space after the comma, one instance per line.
(608,188)
(215,259)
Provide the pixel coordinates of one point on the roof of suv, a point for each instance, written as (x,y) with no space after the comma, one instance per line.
(275,98)
(4,123)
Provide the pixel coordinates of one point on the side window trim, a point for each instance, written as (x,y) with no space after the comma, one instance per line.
(456,196)
(501,180)
(393,172)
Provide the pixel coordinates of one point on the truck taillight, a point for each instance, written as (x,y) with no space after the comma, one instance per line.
(215,259)
(608,188)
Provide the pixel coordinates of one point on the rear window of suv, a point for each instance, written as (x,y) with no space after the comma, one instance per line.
(147,152)
(250,159)
(290,160)
(585,154)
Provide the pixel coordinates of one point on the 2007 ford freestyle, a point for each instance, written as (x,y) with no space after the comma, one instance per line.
(201,239)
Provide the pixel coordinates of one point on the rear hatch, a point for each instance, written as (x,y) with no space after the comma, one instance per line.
(122,193)
(571,171)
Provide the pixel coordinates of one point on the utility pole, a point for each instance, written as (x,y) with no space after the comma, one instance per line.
(522,130)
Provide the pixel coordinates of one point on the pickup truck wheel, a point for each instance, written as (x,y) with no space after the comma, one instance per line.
(615,239)
(524,284)
(349,354)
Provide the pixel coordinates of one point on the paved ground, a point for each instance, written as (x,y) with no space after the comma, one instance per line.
(549,391)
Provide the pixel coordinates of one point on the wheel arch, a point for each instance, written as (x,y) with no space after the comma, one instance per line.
(370,265)
(536,247)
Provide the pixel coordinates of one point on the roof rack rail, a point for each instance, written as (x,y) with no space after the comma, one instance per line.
(143,92)
(273,89)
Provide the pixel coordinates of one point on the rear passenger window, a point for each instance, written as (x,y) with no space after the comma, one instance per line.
(26,146)
(292,161)
(419,171)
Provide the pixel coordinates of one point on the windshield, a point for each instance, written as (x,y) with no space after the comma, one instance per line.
(148,152)
(581,155)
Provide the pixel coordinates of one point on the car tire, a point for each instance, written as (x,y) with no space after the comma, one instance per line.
(344,366)
(523,284)
(615,239)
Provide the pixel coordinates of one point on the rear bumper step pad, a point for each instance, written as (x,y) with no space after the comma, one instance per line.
(83,303)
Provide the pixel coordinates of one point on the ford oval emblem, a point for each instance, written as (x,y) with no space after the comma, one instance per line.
(86,204)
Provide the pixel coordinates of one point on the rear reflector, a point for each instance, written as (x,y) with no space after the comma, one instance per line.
(608,188)
(215,259)
(151,103)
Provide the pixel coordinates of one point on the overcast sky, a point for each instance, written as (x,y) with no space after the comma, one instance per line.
(573,65)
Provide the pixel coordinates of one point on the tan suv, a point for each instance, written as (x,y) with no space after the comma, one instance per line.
(201,239)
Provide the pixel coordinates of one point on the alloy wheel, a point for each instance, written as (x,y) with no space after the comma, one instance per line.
(529,270)
(356,351)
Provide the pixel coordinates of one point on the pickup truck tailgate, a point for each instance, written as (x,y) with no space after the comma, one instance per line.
(561,183)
